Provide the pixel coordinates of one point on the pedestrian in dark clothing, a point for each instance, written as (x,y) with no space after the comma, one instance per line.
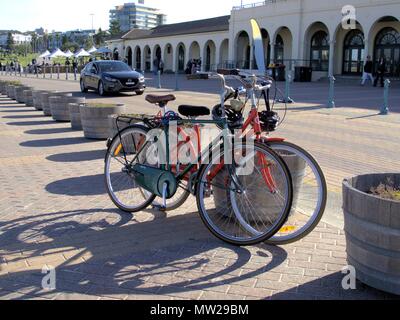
(367,75)
(380,72)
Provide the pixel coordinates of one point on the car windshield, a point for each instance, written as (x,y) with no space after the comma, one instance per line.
(114,67)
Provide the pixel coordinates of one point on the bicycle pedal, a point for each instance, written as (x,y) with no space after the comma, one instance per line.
(159,208)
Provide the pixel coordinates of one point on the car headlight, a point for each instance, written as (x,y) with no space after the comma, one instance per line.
(141,79)
(110,79)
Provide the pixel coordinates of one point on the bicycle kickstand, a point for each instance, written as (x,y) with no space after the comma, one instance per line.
(163,207)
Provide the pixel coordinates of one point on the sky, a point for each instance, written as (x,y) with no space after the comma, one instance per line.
(61,15)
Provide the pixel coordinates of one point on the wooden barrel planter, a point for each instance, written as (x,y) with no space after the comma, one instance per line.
(28,97)
(19,93)
(11,91)
(44,98)
(60,110)
(46,101)
(2,86)
(112,123)
(37,102)
(372,227)
(297,167)
(95,121)
(8,89)
(75,115)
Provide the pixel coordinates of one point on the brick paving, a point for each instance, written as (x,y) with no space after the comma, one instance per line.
(54,211)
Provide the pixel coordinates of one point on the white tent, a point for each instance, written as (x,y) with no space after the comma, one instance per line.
(69,54)
(82,53)
(92,49)
(45,54)
(57,53)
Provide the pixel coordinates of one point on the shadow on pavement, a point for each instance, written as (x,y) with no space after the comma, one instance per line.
(79,186)
(78,156)
(31,123)
(19,111)
(54,142)
(33,116)
(49,131)
(123,256)
(330,288)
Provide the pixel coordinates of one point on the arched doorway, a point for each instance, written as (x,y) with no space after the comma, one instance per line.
(116,54)
(319,56)
(387,45)
(243,50)
(210,56)
(129,56)
(224,55)
(283,47)
(279,49)
(147,59)
(267,46)
(138,58)
(353,52)
(181,51)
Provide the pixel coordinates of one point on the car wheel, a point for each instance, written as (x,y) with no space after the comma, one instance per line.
(83,87)
(101,90)
(140,92)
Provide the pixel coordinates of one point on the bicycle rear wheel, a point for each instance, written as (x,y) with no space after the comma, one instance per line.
(227,195)
(309,193)
(120,182)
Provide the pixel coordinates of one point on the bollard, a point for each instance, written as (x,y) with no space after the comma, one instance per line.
(385,107)
(159,79)
(66,73)
(44,72)
(75,74)
(288,99)
(176,81)
(331,102)
(58,72)
(51,72)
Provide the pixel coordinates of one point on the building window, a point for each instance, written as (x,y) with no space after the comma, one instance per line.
(353,59)
(387,45)
(320,51)
(279,49)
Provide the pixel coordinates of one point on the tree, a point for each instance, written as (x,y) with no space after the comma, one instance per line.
(64,40)
(99,37)
(34,42)
(10,42)
(115,27)
(73,46)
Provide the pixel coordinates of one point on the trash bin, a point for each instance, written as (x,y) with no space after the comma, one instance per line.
(303,74)
(277,72)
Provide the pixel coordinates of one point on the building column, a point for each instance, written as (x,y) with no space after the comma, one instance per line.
(366,50)
(252,57)
(175,58)
(331,57)
(272,54)
(218,54)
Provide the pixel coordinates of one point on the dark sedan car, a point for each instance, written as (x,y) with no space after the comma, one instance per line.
(111,77)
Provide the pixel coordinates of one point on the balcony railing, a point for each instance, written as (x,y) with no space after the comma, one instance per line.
(256,4)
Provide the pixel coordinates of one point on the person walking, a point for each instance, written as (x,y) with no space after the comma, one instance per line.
(381,72)
(162,66)
(367,74)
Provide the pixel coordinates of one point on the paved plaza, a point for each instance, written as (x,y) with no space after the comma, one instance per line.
(54,210)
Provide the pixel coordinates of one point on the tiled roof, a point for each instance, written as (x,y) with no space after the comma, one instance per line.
(199,26)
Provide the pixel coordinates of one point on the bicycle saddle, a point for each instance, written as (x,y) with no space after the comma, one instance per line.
(154,99)
(194,111)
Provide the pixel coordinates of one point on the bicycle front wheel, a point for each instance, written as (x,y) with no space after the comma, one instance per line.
(309,193)
(248,201)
